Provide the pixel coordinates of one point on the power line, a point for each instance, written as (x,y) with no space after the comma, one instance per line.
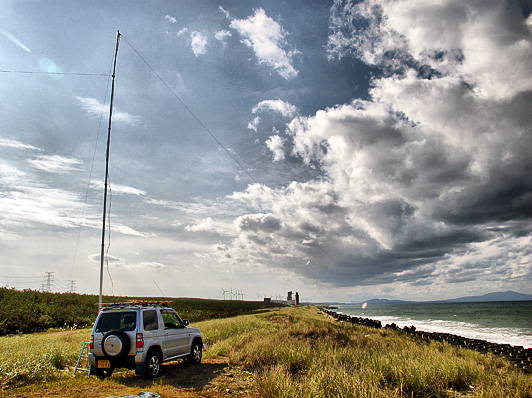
(192,113)
(60,284)
(52,73)
(21,277)
(20,282)
(318,246)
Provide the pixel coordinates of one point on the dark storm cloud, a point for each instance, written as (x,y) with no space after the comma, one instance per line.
(425,176)
(266,223)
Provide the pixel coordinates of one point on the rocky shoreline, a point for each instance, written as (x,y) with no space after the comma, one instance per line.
(519,356)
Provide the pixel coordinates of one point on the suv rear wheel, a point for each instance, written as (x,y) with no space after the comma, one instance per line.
(152,364)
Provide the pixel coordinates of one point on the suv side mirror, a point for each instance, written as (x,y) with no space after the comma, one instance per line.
(185,322)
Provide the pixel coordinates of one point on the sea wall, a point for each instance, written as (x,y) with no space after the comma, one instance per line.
(519,356)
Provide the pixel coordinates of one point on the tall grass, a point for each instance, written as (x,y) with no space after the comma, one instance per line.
(298,353)
(33,358)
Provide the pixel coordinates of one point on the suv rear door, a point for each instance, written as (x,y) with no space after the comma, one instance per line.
(153,334)
(124,321)
(176,335)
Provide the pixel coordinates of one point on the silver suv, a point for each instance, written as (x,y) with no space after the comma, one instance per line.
(141,336)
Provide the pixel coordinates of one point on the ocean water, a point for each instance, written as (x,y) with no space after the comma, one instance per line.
(496,322)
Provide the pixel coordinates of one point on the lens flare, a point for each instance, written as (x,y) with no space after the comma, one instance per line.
(14,40)
(49,66)
(364,306)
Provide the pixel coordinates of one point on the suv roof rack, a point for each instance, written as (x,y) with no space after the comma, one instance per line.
(135,303)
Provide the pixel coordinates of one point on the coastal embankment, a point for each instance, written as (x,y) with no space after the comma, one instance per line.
(521,357)
(296,352)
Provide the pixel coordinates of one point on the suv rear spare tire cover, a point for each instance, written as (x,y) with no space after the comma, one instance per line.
(116,344)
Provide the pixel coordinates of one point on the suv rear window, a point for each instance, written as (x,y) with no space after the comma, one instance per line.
(125,321)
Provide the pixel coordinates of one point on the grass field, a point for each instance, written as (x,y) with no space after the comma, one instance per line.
(293,352)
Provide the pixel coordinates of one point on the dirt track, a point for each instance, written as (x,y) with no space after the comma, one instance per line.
(213,378)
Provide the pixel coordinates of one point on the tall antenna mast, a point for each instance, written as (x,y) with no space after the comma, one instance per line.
(107,170)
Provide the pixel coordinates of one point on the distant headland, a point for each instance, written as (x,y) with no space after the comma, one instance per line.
(489,297)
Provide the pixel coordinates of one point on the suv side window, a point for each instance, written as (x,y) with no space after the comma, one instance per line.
(149,318)
(171,320)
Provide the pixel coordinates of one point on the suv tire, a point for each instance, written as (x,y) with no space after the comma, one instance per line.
(116,344)
(152,365)
(195,353)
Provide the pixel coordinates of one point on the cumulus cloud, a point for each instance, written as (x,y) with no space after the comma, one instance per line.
(96,109)
(254,124)
(452,38)
(276,145)
(428,180)
(268,40)
(265,223)
(9,175)
(198,43)
(170,19)
(204,225)
(222,36)
(112,260)
(284,108)
(224,11)
(209,225)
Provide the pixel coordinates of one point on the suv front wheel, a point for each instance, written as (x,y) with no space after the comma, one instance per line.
(195,353)
(152,365)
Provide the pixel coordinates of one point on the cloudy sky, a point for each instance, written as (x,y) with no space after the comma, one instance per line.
(342,149)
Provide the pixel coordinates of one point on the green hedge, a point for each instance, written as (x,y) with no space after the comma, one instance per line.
(30,311)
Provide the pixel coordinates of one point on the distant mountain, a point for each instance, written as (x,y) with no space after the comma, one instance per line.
(496,296)
(384,301)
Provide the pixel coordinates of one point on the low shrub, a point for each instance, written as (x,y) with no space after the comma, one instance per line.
(30,311)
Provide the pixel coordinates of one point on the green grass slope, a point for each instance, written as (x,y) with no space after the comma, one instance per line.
(292,352)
